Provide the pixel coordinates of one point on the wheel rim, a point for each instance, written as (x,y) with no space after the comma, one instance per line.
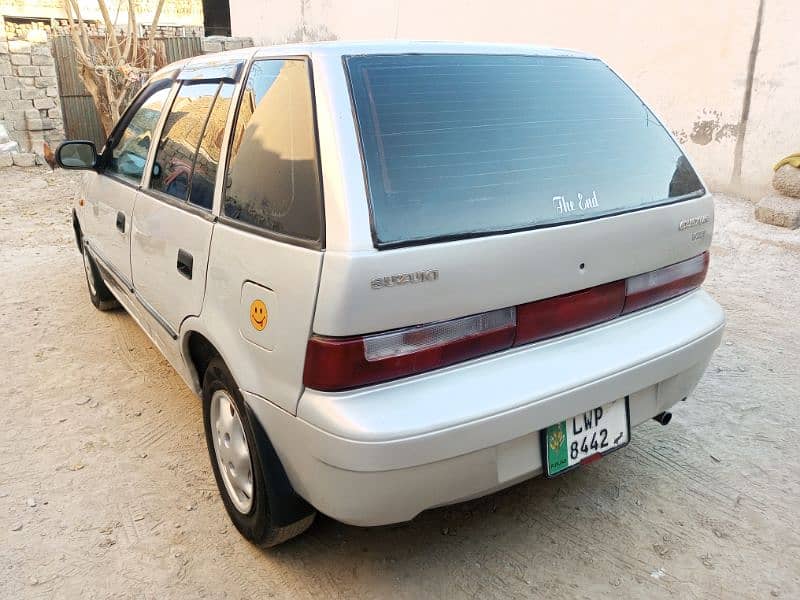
(232,451)
(89,275)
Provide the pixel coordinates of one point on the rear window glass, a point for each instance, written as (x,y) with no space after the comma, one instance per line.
(462,145)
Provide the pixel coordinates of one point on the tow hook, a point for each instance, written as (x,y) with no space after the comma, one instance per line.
(664,418)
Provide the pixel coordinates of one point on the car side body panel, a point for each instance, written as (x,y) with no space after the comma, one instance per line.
(288,275)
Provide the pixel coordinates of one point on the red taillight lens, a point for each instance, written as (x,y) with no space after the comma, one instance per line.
(570,312)
(340,363)
(657,286)
(334,364)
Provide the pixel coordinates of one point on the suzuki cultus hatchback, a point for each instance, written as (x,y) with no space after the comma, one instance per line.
(401,275)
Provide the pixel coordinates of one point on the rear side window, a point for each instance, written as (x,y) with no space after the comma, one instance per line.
(463,145)
(180,137)
(273,177)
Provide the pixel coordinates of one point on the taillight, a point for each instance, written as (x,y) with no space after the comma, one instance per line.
(342,363)
(334,364)
(570,312)
(657,286)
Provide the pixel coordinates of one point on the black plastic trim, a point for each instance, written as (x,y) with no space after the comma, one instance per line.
(106,266)
(266,233)
(76,227)
(181,204)
(154,313)
(285,504)
(229,71)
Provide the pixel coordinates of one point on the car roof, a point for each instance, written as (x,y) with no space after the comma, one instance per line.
(340,48)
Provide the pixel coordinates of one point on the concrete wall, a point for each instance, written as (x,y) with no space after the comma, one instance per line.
(688,59)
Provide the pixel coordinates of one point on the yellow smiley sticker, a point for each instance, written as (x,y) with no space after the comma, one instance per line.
(258,315)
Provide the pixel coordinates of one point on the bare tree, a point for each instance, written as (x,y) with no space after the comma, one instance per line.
(114,64)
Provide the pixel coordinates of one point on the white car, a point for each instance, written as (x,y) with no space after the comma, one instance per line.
(401,275)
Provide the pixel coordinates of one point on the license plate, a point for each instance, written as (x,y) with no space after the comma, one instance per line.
(585,437)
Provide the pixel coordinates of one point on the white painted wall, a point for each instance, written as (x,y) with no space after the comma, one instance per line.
(176,12)
(688,59)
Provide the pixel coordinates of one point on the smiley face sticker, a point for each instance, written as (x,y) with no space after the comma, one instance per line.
(258,314)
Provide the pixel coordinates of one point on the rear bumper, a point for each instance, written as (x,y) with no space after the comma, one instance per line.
(383,454)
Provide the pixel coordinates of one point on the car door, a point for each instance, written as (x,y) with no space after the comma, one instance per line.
(111,192)
(172,219)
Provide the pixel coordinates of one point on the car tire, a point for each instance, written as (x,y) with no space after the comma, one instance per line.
(234,436)
(101,296)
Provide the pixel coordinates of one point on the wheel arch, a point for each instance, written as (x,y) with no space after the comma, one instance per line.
(287,507)
(198,351)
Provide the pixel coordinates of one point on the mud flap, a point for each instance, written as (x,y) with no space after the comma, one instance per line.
(285,505)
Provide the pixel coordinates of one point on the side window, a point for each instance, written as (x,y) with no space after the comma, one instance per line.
(204,174)
(177,148)
(272,180)
(129,155)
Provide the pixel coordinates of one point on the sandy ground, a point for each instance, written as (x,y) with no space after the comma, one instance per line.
(106,490)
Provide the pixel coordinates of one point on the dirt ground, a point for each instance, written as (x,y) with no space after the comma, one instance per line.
(106,488)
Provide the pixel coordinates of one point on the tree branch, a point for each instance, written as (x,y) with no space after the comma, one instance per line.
(112,66)
(111,37)
(151,50)
(134,33)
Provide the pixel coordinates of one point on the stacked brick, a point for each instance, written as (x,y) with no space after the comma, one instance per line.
(218,43)
(29,104)
(783,208)
(23,29)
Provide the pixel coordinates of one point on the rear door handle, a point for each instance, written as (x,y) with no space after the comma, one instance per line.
(121,221)
(185,263)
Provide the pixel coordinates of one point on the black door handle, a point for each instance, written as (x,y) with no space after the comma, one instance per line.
(185,263)
(121,221)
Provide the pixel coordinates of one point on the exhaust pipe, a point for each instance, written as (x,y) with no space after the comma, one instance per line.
(663,418)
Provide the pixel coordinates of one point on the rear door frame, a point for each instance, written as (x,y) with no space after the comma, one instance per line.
(203,72)
(273,372)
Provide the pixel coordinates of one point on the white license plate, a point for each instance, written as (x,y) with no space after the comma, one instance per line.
(585,437)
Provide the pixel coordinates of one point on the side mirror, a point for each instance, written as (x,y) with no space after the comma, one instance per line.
(76,155)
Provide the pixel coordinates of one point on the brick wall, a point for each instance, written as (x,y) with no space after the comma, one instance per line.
(29,104)
(218,43)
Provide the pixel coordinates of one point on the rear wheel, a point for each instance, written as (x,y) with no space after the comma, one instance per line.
(101,296)
(240,462)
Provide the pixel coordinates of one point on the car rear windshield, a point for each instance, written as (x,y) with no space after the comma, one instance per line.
(466,145)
